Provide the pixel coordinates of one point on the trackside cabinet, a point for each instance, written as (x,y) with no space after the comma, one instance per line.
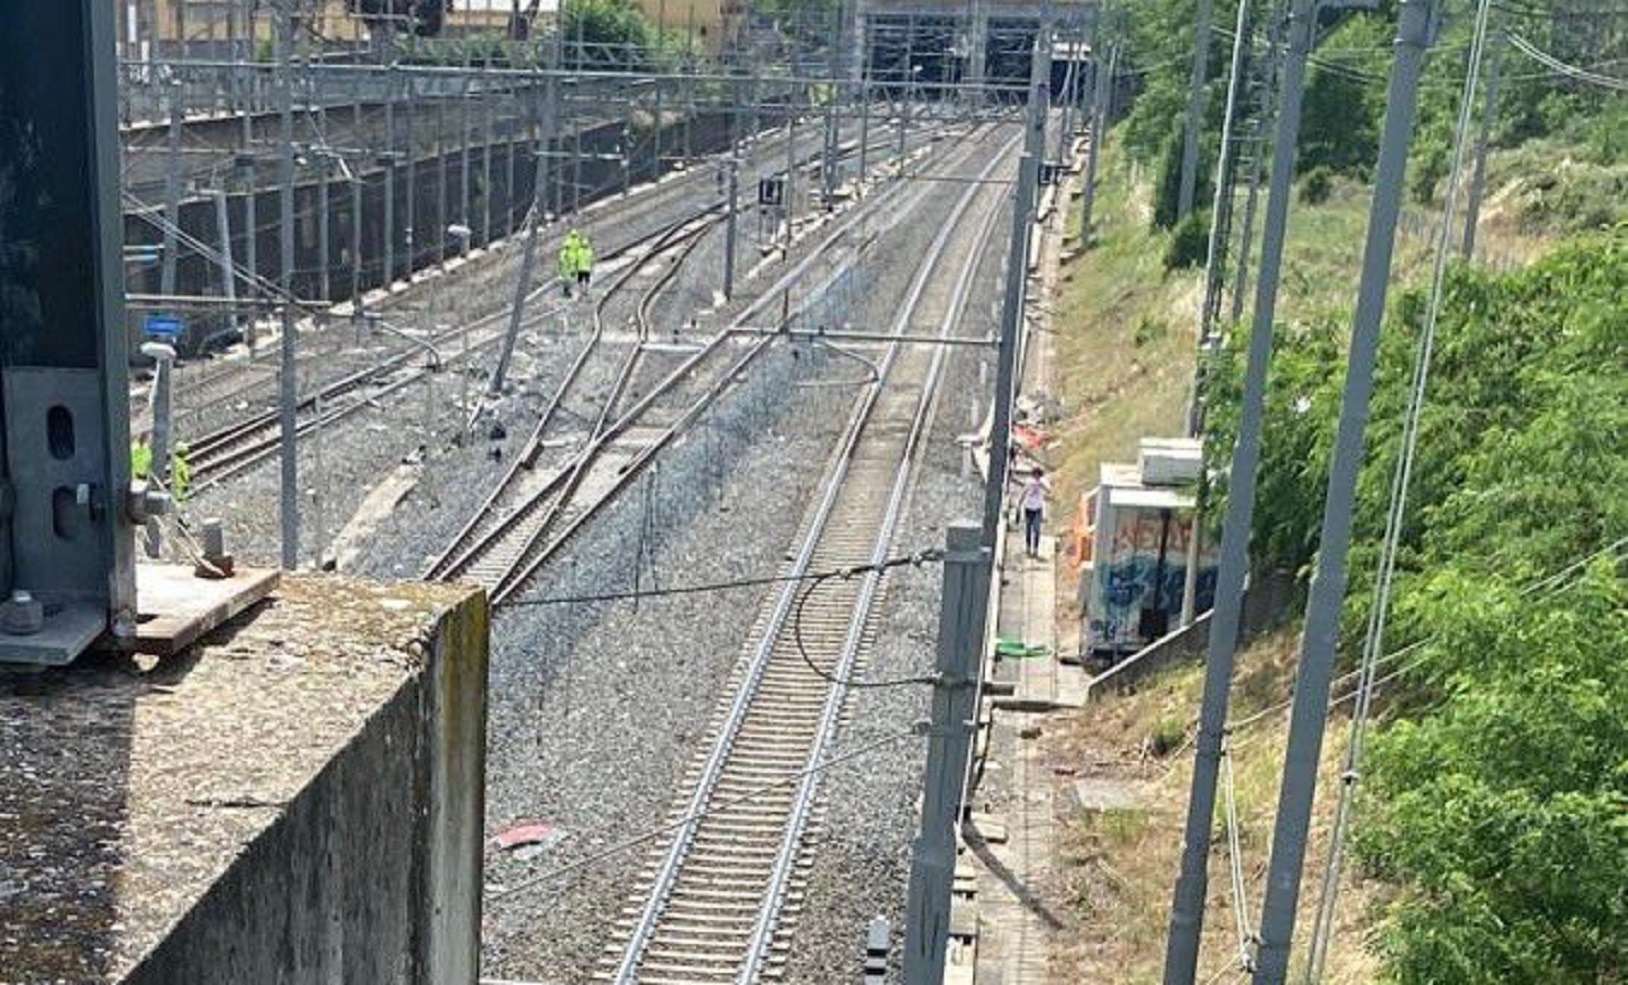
(66,562)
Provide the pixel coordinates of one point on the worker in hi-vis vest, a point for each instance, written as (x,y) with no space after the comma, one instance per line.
(576,262)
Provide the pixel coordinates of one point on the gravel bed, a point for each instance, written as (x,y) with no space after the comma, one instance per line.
(579,687)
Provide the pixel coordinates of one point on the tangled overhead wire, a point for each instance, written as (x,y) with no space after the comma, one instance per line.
(876,569)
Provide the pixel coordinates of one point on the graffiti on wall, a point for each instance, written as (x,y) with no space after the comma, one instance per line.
(1130,576)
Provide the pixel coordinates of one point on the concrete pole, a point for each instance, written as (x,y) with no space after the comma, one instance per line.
(1195,108)
(288,385)
(1321,633)
(172,187)
(1192,885)
(532,233)
(1489,119)
(960,640)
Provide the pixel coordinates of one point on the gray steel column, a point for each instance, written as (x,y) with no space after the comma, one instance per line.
(172,187)
(287,383)
(1489,119)
(356,210)
(963,603)
(734,180)
(1321,633)
(1192,885)
(411,234)
(1195,108)
(1220,226)
(1102,104)
(390,155)
(1015,289)
(441,192)
(228,276)
(486,152)
(324,203)
(532,233)
(463,163)
(1266,120)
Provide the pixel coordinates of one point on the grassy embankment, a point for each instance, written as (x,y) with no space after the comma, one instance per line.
(1123,370)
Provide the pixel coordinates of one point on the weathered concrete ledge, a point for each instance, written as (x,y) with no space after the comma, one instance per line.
(296,798)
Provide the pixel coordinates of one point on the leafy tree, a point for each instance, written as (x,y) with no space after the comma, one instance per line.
(605,32)
(1504,815)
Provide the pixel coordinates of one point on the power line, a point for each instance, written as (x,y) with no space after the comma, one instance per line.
(802,650)
(917,559)
(1323,927)
(1530,50)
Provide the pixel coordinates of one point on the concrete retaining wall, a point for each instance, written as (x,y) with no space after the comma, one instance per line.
(371,874)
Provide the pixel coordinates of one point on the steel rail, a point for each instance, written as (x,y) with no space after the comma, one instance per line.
(529,559)
(660,193)
(762,936)
(711,773)
(465,545)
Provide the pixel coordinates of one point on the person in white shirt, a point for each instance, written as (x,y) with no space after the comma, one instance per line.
(1033,501)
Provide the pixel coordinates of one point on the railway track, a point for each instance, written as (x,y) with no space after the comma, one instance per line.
(220,383)
(528,516)
(231,450)
(721,895)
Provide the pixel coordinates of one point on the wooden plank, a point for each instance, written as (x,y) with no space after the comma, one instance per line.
(177,607)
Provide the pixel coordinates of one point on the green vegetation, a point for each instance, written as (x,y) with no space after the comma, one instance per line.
(1498,797)
(1190,243)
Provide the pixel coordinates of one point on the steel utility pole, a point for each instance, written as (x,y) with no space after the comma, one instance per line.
(1266,120)
(172,185)
(288,368)
(1318,639)
(1489,119)
(1012,301)
(1102,78)
(1220,227)
(532,232)
(967,567)
(1192,885)
(1195,108)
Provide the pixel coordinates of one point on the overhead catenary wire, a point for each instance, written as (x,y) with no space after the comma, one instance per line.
(917,559)
(1570,71)
(1545,585)
(802,649)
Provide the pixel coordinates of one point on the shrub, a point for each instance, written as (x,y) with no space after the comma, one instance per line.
(1190,244)
(1317,186)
